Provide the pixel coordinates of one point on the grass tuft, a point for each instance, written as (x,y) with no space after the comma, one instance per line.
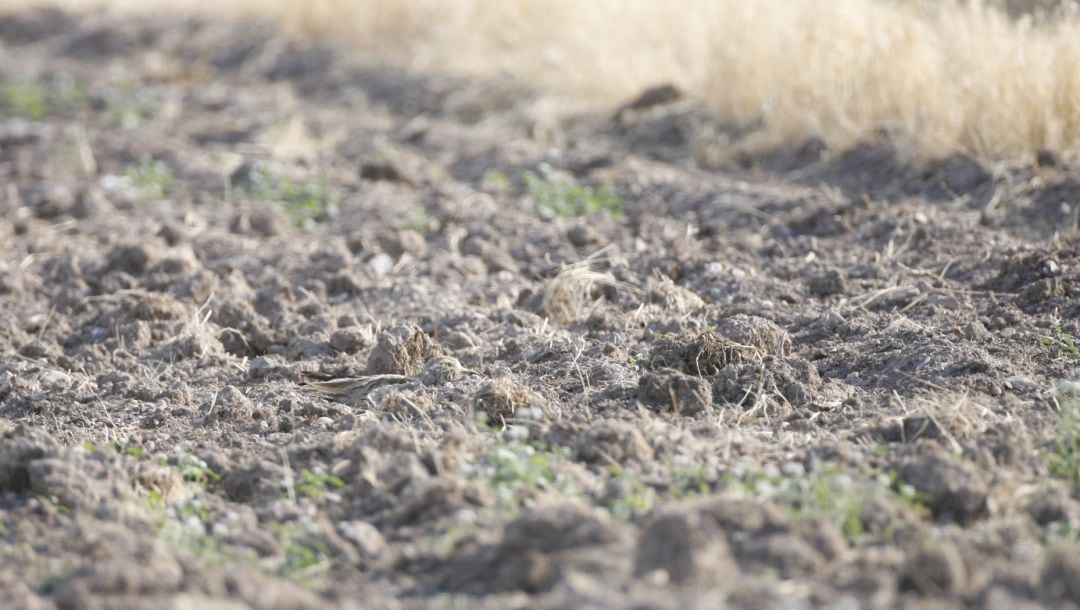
(1063,454)
(958,76)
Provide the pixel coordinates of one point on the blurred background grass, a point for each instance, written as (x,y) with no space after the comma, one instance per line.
(997,80)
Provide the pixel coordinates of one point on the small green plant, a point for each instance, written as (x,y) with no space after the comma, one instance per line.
(152,178)
(187,525)
(1062,343)
(495,181)
(634,499)
(420,221)
(55,502)
(688,481)
(1062,456)
(515,468)
(463,527)
(826,493)
(194,470)
(134,451)
(315,484)
(308,558)
(59,572)
(25,98)
(568,199)
(305,201)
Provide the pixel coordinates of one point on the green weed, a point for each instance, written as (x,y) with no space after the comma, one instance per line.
(1062,343)
(515,469)
(192,469)
(420,221)
(688,481)
(186,526)
(308,559)
(826,493)
(1062,456)
(59,572)
(568,199)
(315,484)
(495,181)
(26,98)
(305,201)
(151,178)
(635,498)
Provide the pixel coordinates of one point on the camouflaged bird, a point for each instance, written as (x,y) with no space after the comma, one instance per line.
(355,390)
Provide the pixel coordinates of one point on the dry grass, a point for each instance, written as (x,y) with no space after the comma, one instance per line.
(942,76)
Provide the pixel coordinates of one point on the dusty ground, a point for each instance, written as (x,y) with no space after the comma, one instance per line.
(811,380)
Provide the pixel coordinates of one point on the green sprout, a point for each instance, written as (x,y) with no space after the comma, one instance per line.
(152,178)
(495,181)
(568,199)
(1061,342)
(26,98)
(316,484)
(305,201)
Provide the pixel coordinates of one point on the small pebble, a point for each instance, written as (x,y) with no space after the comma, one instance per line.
(1050,268)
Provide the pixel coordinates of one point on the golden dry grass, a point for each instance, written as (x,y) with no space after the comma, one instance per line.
(945,76)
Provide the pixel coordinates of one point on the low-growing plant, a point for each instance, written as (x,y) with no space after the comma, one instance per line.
(514,468)
(187,526)
(192,469)
(1061,531)
(688,481)
(1061,342)
(315,485)
(826,493)
(308,558)
(305,201)
(59,573)
(152,178)
(25,98)
(1062,456)
(635,498)
(420,221)
(568,199)
(495,181)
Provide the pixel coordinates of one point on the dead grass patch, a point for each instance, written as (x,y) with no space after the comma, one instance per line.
(942,76)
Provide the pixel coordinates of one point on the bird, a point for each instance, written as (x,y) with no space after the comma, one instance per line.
(355,390)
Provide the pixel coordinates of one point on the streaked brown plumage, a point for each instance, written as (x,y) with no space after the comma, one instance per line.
(355,390)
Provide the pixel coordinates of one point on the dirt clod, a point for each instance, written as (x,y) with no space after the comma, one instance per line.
(401,350)
(676,392)
(952,487)
(686,548)
(501,398)
(613,443)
